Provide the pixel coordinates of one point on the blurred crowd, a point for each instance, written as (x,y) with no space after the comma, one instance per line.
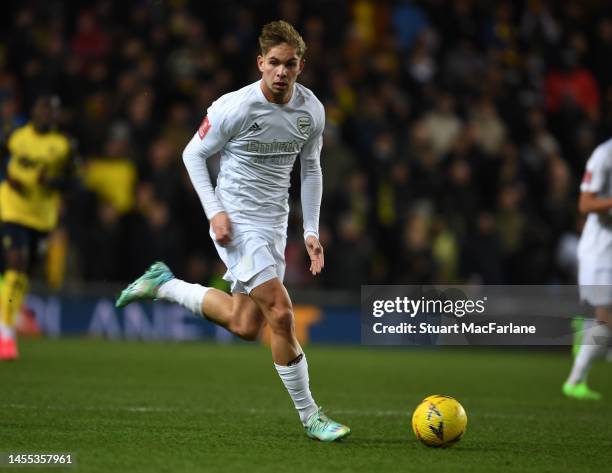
(457,130)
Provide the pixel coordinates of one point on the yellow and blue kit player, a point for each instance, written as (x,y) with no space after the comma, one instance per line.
(38,167)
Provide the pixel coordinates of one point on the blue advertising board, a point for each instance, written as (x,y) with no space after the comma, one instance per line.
(74,315)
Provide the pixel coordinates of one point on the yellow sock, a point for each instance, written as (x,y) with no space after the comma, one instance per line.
(11,296)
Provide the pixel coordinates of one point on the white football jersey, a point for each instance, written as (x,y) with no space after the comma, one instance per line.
(258,143)
(595,246)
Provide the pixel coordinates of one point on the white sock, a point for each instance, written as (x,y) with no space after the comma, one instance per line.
(594,345)
(295,379)
(6,331)
(188,295)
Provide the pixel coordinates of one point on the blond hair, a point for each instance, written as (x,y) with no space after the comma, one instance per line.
(277,32)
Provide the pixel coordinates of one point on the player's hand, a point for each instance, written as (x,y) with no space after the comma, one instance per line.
(222,228)
(315,251)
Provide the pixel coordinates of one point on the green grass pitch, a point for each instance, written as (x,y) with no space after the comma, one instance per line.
(182,407)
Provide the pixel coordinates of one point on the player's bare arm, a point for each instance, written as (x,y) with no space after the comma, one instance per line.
(591,202)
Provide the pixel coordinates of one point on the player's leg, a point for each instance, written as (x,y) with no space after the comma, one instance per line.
(596,340)
(273,300)
(14,287)
(579,324)
(236,312)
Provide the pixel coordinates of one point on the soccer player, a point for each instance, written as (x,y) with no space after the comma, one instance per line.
(259,131)
(39,163)
(594,269)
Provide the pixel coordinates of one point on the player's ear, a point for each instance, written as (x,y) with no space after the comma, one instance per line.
(301,65)
(260,63)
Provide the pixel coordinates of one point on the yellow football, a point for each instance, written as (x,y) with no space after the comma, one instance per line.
(439,421)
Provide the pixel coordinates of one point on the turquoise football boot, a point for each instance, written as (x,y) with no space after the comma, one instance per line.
(320,427)
(581,392)
(145,287)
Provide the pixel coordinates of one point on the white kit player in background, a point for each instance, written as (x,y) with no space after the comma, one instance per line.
(594,269)
(259,132)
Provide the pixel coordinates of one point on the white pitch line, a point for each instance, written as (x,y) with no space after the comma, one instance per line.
(91,408)
(201,410)
(252,411)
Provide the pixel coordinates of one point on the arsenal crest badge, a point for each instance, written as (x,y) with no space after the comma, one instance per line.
(303,124)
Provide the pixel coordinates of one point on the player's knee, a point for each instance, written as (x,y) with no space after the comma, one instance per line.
(244,325)
(247,331)
(281,320)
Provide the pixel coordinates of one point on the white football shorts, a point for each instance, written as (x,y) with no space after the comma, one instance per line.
(595,283)
(254,256)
